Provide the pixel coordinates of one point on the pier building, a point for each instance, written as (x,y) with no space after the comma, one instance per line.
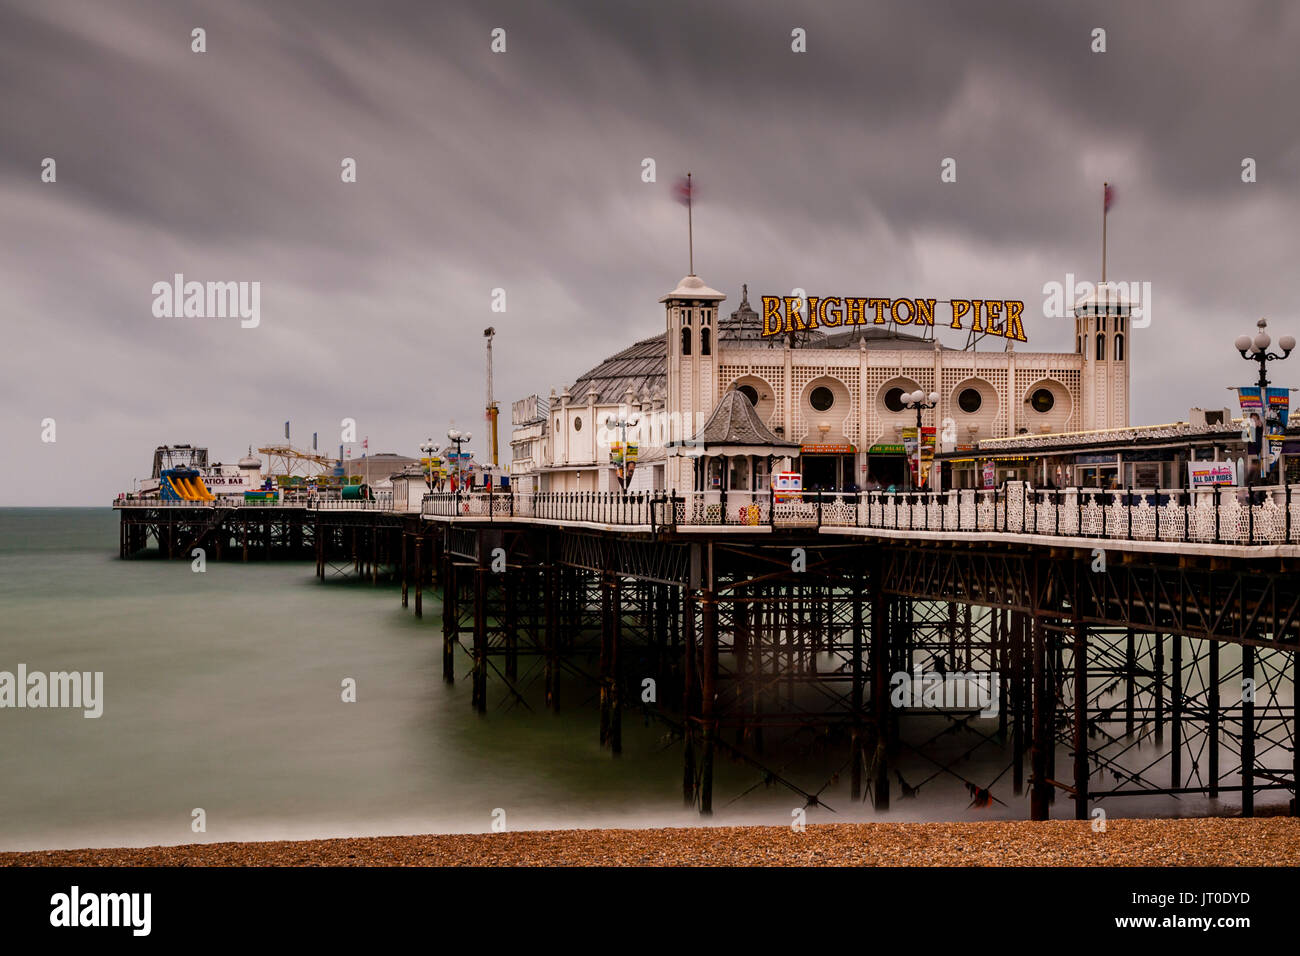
(838,398)
(1144,643)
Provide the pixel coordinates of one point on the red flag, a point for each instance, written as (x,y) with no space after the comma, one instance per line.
(1110,197)
(685,190)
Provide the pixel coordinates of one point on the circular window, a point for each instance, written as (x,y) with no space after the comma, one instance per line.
(894,399)
(821,398)
(577,424)
(750,393)
(970,400)
(1042,400)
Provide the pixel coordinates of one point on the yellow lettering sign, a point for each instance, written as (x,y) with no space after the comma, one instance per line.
(785,314)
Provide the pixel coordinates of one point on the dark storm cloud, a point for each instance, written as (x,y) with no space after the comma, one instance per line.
(522,171)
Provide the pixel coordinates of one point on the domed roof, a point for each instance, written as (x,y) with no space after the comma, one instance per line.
(746,325)
(1106,299)
(249,461)
(643,365)
(693,287)
(878,337)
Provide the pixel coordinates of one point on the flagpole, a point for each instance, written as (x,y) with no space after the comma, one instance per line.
(1104,188)
(690,225)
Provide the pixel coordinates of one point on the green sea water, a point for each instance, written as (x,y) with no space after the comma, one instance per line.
(223,692)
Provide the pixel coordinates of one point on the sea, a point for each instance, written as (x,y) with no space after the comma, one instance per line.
(225,718)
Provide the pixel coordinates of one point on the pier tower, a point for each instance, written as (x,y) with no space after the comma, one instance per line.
(691,313)
(1101,327)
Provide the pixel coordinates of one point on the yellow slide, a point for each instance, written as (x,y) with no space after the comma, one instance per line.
(201,492)
(191,489)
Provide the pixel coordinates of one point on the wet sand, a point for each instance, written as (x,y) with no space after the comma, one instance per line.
(1200,842)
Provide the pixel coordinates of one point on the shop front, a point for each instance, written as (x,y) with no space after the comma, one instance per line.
(1133,468)
(1155,456)
(1096,471)
(1291,460)
(966,471)
(736,472)
(885,466)
(828,467)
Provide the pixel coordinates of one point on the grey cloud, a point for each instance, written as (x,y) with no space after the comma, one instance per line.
(522,171)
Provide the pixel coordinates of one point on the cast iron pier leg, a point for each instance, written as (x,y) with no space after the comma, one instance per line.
(1080,719)
(479,696)
(855,740)
(450,617)
(550,601)
(708,684)
(1213,742)
(1248,734)
(881,634)
(1043,705)
(688,696)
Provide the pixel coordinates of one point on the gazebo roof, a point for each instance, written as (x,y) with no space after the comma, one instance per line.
(735,426)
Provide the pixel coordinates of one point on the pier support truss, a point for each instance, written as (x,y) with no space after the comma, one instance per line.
(1145,680)
(1151,676)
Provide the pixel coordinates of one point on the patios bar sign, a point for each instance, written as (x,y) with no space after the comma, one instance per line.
(785,314)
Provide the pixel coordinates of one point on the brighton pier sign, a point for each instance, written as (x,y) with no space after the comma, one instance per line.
(785,314)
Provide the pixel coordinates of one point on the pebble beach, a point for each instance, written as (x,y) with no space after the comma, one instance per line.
(1191,842)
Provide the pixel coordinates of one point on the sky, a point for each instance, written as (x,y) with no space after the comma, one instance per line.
(524,171)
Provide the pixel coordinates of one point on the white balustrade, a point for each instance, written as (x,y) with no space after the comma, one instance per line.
(1141,514)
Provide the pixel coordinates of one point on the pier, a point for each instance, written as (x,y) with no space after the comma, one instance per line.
(1149,638)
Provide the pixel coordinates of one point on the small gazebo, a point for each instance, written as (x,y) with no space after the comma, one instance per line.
(734,451)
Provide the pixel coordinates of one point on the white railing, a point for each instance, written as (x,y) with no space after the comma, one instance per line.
(634,508)
(1261,515)
(737,508)
(382,501)
(230,502)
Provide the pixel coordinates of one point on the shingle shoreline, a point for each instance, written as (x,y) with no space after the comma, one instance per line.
(1192,842)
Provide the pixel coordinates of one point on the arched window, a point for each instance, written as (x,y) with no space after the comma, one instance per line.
(686,341)
(704,341)
(1119,348)
(1101,347)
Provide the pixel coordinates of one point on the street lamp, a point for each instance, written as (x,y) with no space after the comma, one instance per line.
(919,400)
(622,424)
(430,448)
(1256,350)
(458,438)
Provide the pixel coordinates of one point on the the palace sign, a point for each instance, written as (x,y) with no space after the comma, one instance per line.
(785,314)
